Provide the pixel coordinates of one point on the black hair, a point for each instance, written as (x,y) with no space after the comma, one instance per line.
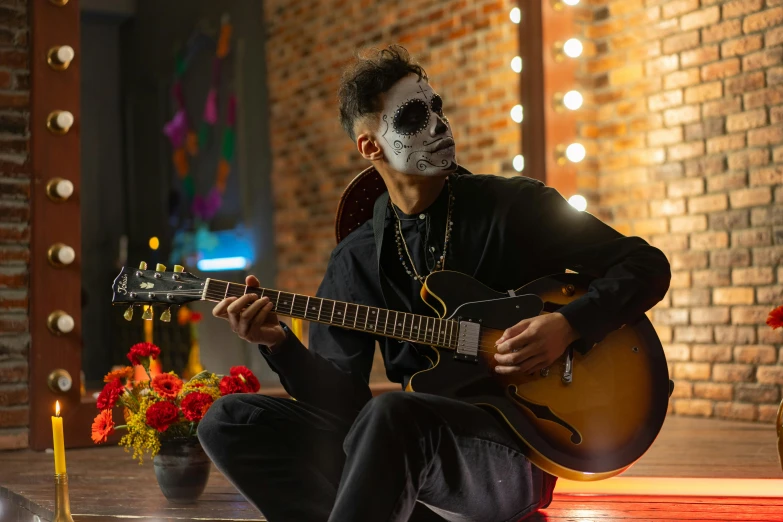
(373,73)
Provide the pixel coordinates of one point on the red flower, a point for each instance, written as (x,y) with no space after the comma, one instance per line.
(161,415)
(195,405)
(775,318)
(109,395)
(140,353)
(167,385)
(232,384)
(247,377)
(102,427)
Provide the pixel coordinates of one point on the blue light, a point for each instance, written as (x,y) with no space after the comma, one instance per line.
(223,263)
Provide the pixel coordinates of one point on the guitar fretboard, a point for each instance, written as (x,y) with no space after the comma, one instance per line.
(380,321)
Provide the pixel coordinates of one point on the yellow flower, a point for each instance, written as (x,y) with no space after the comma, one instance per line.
(140,437)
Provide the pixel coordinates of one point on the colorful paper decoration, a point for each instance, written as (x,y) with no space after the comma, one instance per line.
(186,143)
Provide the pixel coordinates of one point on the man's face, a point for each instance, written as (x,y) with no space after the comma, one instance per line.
(413,132)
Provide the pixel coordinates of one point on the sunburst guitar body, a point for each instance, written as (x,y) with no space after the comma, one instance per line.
(591,424)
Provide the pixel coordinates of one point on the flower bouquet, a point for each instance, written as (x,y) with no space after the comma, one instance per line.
(775,321)
(161,416)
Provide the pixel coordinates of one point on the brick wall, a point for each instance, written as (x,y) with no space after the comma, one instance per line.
(14,222)
(466,47)
(685,129)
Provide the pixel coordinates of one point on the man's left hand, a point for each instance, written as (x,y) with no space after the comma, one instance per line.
(534,343)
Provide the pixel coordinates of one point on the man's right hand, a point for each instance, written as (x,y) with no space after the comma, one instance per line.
(252,318)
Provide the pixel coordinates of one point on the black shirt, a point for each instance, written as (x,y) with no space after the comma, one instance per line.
(506,233)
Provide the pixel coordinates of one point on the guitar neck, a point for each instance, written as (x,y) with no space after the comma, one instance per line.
(433,331)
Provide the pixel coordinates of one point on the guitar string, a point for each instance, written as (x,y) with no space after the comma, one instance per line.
(299,309)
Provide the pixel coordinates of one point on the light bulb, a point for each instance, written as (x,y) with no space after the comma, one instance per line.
(575,152)
(515,15)
(570,2)
(516,64)
(578,202)
(519,163)
(573,100)
(573,48)
(154,243)
(517,114)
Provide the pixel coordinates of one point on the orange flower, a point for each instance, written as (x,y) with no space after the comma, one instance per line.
(123,373)
(102,427)
(775,318)
(167,385)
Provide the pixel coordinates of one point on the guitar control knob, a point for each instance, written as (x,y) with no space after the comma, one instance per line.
(143,265)
(60,381)
(160,268)
(60,322)
(61,255)
(59,189)
(60,57)
(179,268)
(59,122)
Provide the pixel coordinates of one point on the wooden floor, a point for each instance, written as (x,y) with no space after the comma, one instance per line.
(106,485)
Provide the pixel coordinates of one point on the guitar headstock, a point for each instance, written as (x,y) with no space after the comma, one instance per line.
(139,286)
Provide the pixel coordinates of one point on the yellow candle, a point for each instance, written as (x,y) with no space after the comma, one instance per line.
(296,327)
(59,441)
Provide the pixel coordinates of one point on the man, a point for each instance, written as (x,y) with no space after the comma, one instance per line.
(334,454)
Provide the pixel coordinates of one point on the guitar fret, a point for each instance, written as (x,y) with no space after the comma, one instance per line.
(307,305)
(404,318)
(377,313)
(366,317)
(318,317)
(355,317)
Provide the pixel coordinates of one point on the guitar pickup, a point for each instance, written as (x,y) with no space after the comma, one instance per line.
(468,341)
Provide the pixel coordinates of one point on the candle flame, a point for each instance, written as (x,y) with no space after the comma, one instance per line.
(57,408)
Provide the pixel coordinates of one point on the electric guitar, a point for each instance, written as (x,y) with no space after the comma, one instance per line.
(588,416)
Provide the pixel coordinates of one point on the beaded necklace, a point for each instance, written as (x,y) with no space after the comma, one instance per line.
(401,244)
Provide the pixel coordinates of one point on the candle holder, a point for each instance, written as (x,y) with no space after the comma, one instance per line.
(62,502)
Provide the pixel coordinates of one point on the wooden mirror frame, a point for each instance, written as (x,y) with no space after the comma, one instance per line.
(54,155)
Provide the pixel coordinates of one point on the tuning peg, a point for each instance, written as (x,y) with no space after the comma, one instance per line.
(143,265)
(147,315)
(128,315)
(160,268)
(179,268)
(166,315)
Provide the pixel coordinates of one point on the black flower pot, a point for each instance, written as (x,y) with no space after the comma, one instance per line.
(182,469)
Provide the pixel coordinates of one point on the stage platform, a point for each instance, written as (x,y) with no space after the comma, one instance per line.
(106,485)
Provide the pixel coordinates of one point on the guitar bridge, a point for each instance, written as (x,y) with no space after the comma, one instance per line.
(468,341)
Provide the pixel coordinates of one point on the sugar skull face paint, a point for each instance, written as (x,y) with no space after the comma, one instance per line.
(414,134)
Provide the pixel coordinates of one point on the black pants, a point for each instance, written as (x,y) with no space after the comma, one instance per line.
(407,456)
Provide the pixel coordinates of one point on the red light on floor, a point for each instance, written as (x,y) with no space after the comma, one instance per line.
(665,486)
